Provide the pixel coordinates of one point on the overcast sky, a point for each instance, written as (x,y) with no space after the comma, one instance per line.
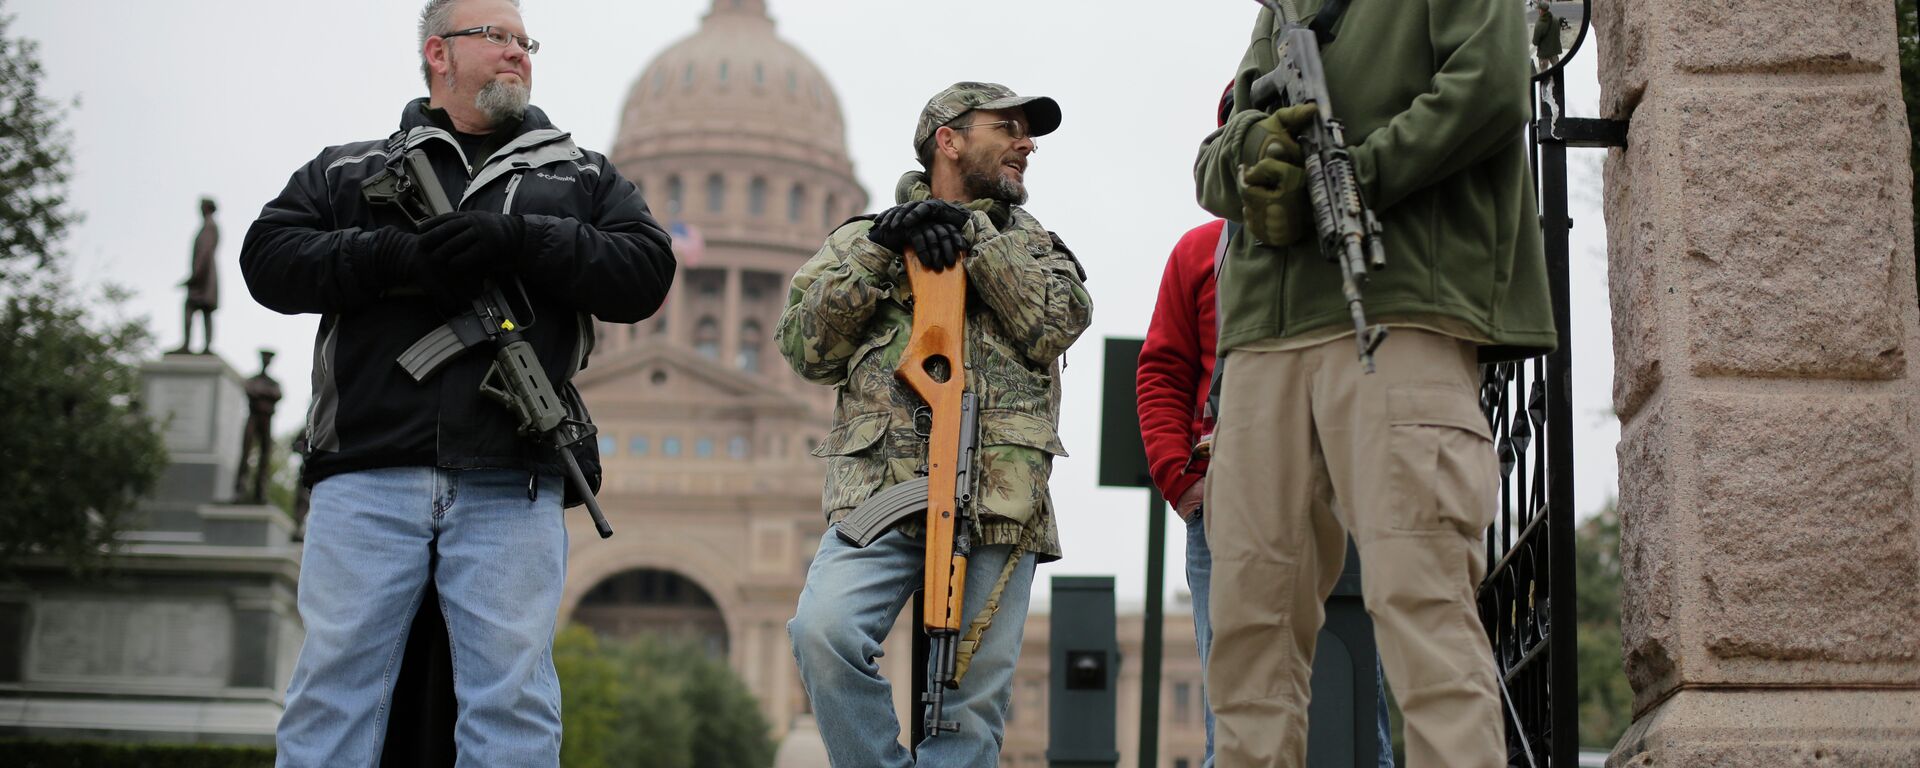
(227,97)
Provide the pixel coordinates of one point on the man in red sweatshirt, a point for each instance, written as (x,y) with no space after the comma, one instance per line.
(1172,386)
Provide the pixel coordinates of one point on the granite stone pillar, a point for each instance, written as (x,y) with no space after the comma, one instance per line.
(1764,318)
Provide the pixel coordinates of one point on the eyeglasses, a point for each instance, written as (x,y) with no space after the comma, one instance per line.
(1014,128)
(498,36)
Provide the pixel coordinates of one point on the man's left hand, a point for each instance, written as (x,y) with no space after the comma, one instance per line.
(938,245)
(469,246)
(1190,501)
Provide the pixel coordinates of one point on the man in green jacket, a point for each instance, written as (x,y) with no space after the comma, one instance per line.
(1434,95)
(848,319)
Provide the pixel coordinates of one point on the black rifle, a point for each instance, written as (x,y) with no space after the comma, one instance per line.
(1349,233)
(516,379)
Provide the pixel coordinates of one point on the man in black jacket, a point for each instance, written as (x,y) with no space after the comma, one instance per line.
(411,477)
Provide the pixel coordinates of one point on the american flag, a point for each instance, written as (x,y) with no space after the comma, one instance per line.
(688,244)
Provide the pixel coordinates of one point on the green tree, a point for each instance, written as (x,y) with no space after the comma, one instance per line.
(76,452)
(1605,700)
(654,703)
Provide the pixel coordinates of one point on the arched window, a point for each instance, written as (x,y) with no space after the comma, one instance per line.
(723,70)
(670,446)
(757,197)
(687,78)
(759,74)
(826,212)
(703,448)
(716,193)
(751,339)
(676,195)
(796,199)
(706,338)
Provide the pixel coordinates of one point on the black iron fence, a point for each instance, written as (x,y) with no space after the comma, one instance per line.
(1526,601)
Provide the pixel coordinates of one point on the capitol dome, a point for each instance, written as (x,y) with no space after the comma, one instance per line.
(735,131)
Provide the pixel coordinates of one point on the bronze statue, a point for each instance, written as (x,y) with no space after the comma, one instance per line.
(203,284)
(257,443)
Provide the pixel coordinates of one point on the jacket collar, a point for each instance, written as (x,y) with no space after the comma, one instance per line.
(418,115)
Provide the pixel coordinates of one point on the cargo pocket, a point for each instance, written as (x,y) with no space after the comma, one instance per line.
(854,470)
(1014,463)
(879,375)
(1441,465)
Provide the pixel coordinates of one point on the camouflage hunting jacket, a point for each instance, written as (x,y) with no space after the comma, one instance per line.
(848,318)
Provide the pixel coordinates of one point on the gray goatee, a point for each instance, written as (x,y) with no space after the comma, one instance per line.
(502,102)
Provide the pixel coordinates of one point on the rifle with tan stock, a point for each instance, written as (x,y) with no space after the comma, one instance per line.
(934,367)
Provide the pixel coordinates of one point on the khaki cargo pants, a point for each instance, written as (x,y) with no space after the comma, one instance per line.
(1407,454)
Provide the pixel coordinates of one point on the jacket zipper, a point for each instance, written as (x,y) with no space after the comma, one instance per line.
(513,185)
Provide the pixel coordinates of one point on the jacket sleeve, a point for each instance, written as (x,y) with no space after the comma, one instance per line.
(1216,172)
(616,263)
(1171,371)
(830,301)
(294,259)
(1039,299)
(1475,106)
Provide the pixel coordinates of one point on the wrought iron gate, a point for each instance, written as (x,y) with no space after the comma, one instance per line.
(1526,601)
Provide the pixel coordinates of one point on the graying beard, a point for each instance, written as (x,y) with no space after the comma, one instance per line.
(501,102)
(993,187)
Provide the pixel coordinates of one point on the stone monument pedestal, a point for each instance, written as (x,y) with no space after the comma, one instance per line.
(1762,274)
(191,632)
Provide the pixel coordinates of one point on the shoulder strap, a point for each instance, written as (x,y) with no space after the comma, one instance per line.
(1227,234)
(1324,21)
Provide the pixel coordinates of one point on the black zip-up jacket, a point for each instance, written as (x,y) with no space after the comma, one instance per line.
(595,251)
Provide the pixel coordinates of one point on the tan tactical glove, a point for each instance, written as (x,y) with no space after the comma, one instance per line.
(1276,130)
(1272,184)
(1273,198)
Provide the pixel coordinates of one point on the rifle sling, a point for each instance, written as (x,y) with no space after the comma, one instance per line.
(1324,21)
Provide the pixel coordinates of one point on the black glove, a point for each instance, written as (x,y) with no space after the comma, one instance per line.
(938,245)
(459,250)
(388,261)
(894,228)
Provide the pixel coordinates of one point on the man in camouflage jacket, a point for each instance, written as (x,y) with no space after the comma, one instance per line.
(848,320)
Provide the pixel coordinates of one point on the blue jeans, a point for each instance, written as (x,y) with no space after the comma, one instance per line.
(372,539)
(1199,577)
(850,601)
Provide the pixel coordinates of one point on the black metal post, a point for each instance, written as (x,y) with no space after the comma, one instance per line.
(1150,633)
(1563,653)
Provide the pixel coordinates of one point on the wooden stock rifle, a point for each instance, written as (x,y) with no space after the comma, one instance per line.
(934,367)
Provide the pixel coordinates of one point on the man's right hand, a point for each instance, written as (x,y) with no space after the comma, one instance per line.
(456,251)
(1273,196)
(931,227)
(1190,500)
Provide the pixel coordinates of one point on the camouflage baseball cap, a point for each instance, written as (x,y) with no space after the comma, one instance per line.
(1043,114)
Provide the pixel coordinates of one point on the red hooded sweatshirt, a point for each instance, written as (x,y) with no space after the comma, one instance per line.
(1176,363)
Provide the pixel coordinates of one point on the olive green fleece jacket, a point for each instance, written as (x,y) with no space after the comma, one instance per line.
(1434,96)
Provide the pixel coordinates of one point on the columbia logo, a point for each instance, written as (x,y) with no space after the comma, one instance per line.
(551,177)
